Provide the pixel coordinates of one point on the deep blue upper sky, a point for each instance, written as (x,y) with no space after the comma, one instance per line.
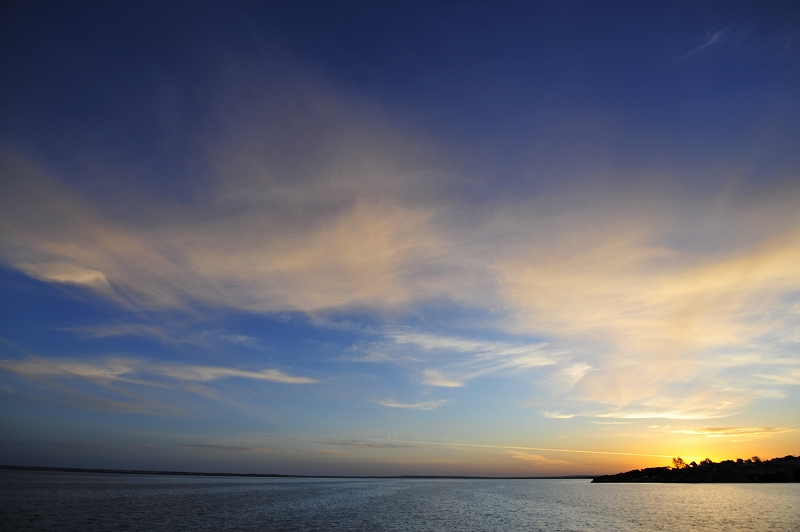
(134,79)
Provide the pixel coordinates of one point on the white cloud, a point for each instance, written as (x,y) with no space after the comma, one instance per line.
(557,415)
(433,377)
(634,413)
(423,405)
(68,273)
(566,377)
(575,372)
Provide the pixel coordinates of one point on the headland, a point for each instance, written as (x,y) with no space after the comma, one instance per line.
(786,469)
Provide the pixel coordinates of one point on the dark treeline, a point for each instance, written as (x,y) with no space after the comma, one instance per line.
(786,469)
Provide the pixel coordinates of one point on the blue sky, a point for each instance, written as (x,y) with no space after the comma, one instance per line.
(423,238)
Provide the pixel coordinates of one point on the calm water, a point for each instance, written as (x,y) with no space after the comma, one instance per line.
(81,501)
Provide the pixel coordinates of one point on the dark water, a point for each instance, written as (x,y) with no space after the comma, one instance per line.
(81,501)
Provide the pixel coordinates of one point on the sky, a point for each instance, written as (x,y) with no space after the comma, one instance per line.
(369,238)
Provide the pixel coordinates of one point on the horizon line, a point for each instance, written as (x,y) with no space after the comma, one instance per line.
(274,475)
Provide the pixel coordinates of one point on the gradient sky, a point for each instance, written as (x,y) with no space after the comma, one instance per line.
(422,238)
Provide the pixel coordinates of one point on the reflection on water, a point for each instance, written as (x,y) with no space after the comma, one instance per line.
(82,501)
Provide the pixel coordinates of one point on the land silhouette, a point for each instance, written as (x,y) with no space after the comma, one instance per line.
(786,469)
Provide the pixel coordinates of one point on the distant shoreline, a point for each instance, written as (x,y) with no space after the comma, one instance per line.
(270,475)
(778,470)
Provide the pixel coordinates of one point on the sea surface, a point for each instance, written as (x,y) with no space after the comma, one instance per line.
(86,501)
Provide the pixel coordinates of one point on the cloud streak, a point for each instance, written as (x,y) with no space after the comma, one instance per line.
(129,369)
(423,405)
(463,359)
(713,39)
(432,377)
(523,448)
(727,432)
(225,448)
(372,444)
(536,459)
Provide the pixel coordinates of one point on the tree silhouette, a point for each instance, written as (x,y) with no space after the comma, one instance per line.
(678,463)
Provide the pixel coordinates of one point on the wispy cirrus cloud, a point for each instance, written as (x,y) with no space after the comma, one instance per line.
(68,273)
(712,40)
(329,452)
(370,444)
(113,330)
(422,405)
(457,360)
(747,39)
(518,354)
(634,413)
(728,432)
(462,359)
(647,317)
(694,413)
(325,243)
(557,415)
(522,448)
(131,385)
(168,333)
(536,459)
(225,448)
(644,286)
(790,376)
(568,376)
(130,369)
(373,352)
(432,377)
